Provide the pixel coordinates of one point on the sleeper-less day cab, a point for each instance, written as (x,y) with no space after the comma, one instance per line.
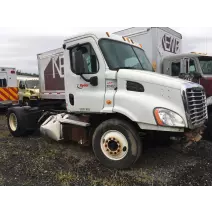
(113,99)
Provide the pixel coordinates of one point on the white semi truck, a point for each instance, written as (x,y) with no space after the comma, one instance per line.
(113,99)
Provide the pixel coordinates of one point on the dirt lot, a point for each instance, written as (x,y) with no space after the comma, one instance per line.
(34,161)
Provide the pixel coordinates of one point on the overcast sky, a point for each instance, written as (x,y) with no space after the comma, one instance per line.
(20,46)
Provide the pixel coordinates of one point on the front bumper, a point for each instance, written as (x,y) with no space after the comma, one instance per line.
(34,98)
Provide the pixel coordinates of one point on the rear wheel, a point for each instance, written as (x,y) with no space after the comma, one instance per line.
(15,123)
(116,144)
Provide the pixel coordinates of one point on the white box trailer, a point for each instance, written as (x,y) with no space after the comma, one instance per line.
(51,74)
(158,42)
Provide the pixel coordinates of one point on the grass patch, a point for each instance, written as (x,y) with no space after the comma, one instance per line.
(65,179)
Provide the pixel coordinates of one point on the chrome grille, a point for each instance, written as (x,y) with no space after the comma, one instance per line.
(197,108)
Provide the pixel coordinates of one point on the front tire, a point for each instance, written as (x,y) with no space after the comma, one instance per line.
(116,144)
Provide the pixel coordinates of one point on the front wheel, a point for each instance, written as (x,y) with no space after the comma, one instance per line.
(116,144)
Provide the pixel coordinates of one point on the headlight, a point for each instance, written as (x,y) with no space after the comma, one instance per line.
(165,117)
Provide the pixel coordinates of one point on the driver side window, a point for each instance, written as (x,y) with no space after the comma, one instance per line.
(190,66)
(89,57)
(22,85)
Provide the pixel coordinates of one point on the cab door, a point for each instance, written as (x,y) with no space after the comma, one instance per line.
(81,95)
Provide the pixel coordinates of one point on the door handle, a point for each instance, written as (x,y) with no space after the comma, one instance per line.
(71,99)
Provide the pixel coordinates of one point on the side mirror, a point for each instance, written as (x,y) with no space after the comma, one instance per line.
(79,63)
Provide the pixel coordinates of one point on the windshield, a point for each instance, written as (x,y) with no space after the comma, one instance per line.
(120,55)
(32,84)
(206,64)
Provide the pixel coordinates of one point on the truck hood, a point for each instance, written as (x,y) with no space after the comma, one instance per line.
(36,91)
(155,78)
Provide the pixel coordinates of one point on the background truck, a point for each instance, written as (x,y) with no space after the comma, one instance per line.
(28,90)
(8,87)
(113,99)
(163,47)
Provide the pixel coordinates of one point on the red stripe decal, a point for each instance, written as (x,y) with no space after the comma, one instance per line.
(8,91)
(6,97)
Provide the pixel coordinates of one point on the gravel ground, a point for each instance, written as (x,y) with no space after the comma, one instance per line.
(32,161)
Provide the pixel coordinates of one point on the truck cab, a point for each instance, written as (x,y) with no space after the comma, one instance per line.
(29,92)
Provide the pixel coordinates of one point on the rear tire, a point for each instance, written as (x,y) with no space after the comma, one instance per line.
(116,144)
(15,124)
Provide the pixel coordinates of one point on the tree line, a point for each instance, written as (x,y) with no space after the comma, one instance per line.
(19,72)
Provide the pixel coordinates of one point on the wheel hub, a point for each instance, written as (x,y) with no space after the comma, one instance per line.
(114,145)
(13,123)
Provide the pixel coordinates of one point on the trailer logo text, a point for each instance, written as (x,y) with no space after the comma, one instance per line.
(170,44)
